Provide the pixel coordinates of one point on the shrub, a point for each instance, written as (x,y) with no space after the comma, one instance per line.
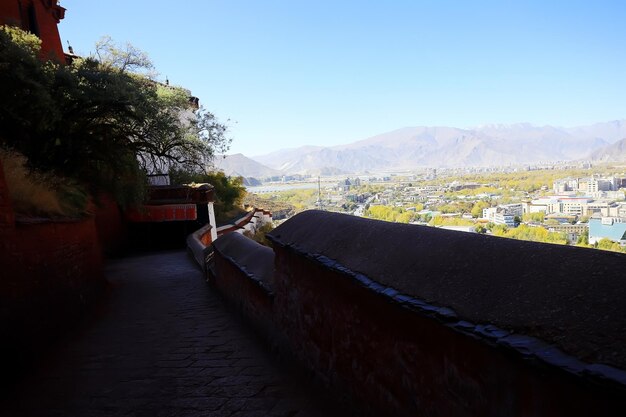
(35,193)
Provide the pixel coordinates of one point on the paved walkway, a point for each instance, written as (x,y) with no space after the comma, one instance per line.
(165,346)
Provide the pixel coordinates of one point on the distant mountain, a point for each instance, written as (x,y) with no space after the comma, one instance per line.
(242,166)
(414,147)
(275,159)
(615,152)
(609,131)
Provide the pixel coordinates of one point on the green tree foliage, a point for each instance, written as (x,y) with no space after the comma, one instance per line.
(390,214)
(229,191)
(100,121)
(533,217)
(480,228)
(450,221)
(477,209)
(534,234)
(607,244)
(298,199)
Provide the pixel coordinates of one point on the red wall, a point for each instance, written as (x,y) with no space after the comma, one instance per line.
(254,302)
(7,217)
(394,359)
(401,363)
(243,272)
(48,15)
(112,233)
(50,272)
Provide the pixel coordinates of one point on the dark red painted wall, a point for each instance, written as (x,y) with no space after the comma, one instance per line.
(392,360)
(7,217)
(48,15)
(50,272)
(403,364)
(253,301)
(111,228)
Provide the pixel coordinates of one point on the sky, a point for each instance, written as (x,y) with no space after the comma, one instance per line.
(290,73)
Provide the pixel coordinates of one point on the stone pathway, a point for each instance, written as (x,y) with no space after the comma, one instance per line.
(165,345)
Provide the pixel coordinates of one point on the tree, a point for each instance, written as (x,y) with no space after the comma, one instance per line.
(607,244)
(125,58)
(477,210)
(534,217)
(229,191)
(480,229)
(103,121)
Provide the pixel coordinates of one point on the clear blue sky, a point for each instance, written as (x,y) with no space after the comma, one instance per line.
(292,73)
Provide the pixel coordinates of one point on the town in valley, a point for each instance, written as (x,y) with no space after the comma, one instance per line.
(570,203)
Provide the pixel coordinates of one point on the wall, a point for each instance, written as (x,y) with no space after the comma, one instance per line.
(242,270)
(48,14)
(253,220)
(409,320)
(401,363)
(50,273)
(111,228)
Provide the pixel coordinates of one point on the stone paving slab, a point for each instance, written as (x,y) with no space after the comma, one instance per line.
(165,345)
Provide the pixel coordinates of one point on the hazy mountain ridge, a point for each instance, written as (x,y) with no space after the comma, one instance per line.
(441,146)
(241,166)
(615,152)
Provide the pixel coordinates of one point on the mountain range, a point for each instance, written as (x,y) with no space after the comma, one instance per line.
(420,147)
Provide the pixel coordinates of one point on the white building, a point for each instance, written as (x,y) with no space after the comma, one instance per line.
(504,214)
(505,219)
(516,209)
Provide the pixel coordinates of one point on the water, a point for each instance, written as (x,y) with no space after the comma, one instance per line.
(273,188)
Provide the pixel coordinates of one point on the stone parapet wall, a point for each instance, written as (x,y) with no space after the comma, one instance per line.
(411,321)
(242,270)
(251,222)
(403,362)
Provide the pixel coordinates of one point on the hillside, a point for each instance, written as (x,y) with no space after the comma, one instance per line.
(242,166)
(615,152)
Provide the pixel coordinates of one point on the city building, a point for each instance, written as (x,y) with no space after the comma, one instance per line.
(574,206)
(503,214)
(612,228)
(587,185)
(572,231)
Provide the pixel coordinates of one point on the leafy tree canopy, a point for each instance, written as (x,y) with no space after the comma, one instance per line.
(102,120)
(229,191)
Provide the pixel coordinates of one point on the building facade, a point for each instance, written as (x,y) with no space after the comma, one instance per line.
(39,17)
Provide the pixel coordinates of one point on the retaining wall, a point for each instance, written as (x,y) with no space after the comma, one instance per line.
(50,272)
(410,320)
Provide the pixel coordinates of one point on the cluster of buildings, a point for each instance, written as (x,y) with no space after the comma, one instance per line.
(580,206)
(602,202)
(597,187)
(347,184)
